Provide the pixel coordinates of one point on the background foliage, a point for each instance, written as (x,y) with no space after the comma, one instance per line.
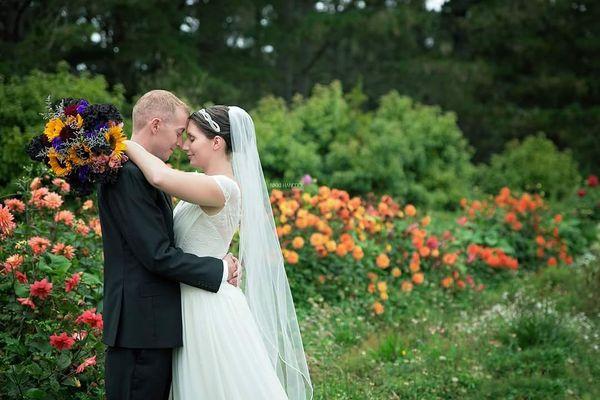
(508,69)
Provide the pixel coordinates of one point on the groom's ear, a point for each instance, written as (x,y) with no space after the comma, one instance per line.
(154,125)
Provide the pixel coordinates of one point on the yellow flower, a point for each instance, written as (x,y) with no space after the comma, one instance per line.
(330,245)
(383,261)
(79,154)
(410,210)
(116,139)
(53,128)
(75,121)
(59,166)
(298,242)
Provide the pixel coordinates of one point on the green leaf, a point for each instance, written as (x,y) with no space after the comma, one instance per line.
(72,381)
(64,359)
(35,393)
(491,239)
(40,345)
(44,267)
(59,265)
(22,290)
(90,279)
(34,370)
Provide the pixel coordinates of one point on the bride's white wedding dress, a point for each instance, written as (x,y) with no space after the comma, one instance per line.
(223,355)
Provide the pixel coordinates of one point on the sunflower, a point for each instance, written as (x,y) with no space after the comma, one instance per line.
(75,121)
(79,154)
(60,166)
(53,128)
(116,139)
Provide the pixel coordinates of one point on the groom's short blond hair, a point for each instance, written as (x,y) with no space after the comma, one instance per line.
(156,104)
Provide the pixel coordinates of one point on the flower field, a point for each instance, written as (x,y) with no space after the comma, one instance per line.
(373,254)
(378,251)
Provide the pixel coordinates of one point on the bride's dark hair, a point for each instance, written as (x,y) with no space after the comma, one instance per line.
(220,115)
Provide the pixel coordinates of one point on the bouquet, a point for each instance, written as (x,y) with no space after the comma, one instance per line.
(82,143)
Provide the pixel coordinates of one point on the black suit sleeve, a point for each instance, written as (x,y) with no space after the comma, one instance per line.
(143,226)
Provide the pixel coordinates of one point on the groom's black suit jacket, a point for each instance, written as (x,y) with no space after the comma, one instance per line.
(142,266)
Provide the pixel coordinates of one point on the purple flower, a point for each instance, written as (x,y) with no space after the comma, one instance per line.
(307,179)
(83,173)
(57,143)
(82,106)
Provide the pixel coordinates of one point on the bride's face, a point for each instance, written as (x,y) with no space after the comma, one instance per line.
(199,148)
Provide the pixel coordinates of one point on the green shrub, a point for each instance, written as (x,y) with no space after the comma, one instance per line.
(534,165)
(402,149)
(408,150)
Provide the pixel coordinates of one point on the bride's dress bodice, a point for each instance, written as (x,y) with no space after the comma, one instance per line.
(205,234)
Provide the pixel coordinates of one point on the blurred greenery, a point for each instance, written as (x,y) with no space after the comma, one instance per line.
(533,165)
(506,68)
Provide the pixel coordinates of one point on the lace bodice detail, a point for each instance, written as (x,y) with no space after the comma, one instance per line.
(205,234)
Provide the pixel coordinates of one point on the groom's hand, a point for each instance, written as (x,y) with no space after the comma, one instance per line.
(233,265)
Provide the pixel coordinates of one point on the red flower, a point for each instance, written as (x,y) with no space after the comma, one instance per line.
(592,181)
(72,282)
(87,363)
(581,192)
(40,289)
(432,242)
(26,301)
(21,277)
(91,318)
(62,341)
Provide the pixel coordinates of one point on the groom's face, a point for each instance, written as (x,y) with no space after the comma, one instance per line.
(170,134)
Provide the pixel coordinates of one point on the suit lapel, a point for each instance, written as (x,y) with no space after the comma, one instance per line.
(168,200)
(168,212)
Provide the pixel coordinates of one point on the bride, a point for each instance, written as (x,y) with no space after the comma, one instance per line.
(238,343)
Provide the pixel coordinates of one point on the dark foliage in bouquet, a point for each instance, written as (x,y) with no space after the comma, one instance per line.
(82,143)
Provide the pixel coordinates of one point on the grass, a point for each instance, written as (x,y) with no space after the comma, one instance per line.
(533,337)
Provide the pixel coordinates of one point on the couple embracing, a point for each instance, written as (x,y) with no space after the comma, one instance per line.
(176,321)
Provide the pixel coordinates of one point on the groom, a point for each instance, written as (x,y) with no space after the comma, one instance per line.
(142,266)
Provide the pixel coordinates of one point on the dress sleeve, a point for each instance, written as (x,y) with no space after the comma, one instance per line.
(225,186)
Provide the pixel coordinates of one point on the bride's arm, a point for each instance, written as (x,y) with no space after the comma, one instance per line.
(191,187)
